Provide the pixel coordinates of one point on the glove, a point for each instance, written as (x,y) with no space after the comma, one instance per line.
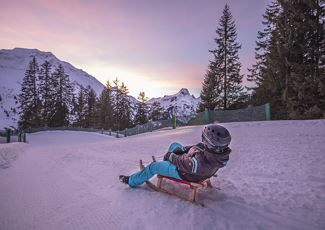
(168,156)
(178,150)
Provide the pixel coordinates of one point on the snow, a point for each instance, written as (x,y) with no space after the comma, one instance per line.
(275,179)
(182,103)
(13,64)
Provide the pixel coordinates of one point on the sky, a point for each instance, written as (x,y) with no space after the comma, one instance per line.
(155,46)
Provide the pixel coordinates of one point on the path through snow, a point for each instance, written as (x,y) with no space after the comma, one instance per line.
(275,179)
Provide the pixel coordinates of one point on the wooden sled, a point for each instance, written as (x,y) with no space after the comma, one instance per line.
(194,186)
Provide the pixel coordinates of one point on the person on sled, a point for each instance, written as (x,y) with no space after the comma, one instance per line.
(191,163)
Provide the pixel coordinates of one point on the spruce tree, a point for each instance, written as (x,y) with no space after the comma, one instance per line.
(259,76)
(142,109)
(104,108)
(63,99)
(222,83)
(80,108)
(227,60)
(288,71)
(121,107)
(155,112)
(211,91)
(90,113)
(125,107)
(29,101)
(47,87)
(307,32)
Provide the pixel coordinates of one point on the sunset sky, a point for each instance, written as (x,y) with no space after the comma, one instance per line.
(154,46)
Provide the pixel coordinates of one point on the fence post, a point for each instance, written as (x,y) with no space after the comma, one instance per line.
(19,136)
(24,137)
(8,135)
(125,130)
(267,112)
(102,131)
(137,128)
(110,132)
(174,121)
(206,116)
(117,134)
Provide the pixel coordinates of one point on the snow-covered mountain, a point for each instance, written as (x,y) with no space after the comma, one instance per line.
(14,62)
(182,104)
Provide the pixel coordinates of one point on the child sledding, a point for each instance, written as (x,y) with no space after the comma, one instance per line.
(188,164)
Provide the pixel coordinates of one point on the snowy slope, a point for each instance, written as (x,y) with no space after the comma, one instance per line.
(181,103)
(13,64)
(275,179)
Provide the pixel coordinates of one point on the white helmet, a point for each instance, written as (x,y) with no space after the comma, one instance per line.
(216,138)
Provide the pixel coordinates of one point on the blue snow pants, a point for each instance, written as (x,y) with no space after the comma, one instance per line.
(164,168)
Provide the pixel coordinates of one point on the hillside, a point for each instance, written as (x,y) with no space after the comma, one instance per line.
(275,179)
(13,64)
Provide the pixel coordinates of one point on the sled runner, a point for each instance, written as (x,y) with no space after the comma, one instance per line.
(194,186)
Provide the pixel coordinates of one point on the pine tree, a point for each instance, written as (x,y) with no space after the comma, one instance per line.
(63,100)
(104,110)
(29,102)
(80,108)
(307,34)
(222,83)
(267,82)
(227,59)
(142,109)
(47,86)
(288,70)
(125,108)
(155,112)
(211,91)
(122,107)
(90,113)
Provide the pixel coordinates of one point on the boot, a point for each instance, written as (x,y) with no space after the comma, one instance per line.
(124,179)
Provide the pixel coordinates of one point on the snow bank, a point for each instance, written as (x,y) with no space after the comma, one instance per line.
(275,179)
(9,153)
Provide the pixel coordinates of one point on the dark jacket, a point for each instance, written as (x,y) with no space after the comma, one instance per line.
(195,163)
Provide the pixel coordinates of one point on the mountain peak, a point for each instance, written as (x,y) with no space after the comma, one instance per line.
(183,91)
(23,56)
(25,49)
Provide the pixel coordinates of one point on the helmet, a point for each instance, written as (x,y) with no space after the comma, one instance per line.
(216,138)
